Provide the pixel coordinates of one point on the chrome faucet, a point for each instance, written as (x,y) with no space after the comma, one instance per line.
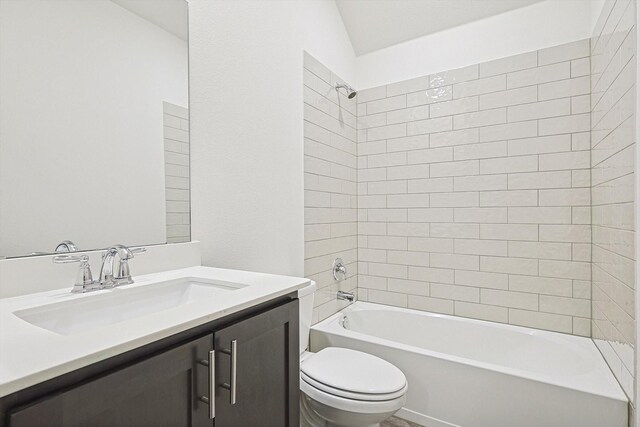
(346,296)
(107,279)
(123,276)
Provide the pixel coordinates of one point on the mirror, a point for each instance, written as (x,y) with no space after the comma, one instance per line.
(94,125)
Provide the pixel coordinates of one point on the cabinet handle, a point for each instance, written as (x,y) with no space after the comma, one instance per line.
(211,400)
(232,387)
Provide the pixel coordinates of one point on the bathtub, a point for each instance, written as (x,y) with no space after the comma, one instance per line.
(472,373)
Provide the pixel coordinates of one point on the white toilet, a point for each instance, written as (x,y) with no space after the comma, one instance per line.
(342,387)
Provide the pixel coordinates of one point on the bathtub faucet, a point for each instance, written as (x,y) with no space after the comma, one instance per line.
(346,296)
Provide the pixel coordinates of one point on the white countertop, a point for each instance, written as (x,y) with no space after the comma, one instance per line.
(30,354)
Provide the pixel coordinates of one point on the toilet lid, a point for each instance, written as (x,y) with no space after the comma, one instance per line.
(353,371)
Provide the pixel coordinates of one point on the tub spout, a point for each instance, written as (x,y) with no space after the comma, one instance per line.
(346,296)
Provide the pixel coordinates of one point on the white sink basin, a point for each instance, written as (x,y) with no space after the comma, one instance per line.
(121,304)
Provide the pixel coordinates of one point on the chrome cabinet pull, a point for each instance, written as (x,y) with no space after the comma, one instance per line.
(234,369)
(211,399)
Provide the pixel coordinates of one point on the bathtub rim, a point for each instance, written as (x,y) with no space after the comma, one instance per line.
(331,325)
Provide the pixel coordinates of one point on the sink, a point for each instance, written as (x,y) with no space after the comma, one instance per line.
(121,304)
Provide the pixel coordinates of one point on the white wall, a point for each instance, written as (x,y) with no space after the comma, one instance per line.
(545,24)
(81,151)
(247,125)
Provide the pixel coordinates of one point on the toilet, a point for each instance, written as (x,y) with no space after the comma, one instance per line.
(343,387)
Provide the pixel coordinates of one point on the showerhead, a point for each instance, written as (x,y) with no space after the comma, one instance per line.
(351,92)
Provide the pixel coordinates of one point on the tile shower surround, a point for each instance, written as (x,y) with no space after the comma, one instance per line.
(613,77)
(330,189)
(474,191)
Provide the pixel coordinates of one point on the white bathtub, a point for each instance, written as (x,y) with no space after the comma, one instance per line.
(472,373)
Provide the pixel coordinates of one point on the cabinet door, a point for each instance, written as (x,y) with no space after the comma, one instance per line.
(266,367)
(161,391)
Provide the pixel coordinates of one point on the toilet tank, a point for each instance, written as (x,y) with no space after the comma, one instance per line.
(305,297)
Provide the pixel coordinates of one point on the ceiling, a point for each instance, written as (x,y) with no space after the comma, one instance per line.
(376,24)
(170,15)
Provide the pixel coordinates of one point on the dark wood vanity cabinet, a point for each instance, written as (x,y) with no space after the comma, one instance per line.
(170,387)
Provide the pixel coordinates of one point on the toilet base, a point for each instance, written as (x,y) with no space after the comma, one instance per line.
(316,414)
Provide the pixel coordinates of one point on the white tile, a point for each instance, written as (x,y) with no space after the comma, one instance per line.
(439,124)
(481,215)
(429,274)
(454,76)
(509,232)
(406,86)
(455,261)
(580,104)
(458,106)
(411,287)
(453,292)
(481,311)
(509,131)
(387,104)
(540,145)
(480,247)
(431,215)
(533,319)
(506,98)
(509,198)
(566,124)
(509,299)
(565,52)
(482,279)
(480,151)
(387,298)
(580,67)
(406,143)
(371,94)
(407,200)
(508,64)
(461,168)
(540,285)
(408,114)
(428,96)
(435,305)
(480,183)
(457,200)
(457,137)
(385,132)
(568,306)
(539,110)
(480,118)
(480,86)
(565,269)
(408,172)
(564,88)
(540,215)
(408,258)
(568,160)
(387,159)
(468,231)
(540,250)
(410,229)
(540,180)
(431,155)
(509,164)
(431,185)
(539,75)
(565,233)
(565,197)
(430,244)
(509,265)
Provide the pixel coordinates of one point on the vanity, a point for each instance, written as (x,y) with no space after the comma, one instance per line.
(192,347)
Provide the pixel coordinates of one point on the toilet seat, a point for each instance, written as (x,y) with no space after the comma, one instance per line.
(352,375)
(352,405)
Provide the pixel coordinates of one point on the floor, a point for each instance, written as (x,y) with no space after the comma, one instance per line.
(398,422)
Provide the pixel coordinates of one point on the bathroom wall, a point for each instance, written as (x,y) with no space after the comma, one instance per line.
(613,77)
(330,189)
(176,171)
(246,108)
(473,191)
(540,25)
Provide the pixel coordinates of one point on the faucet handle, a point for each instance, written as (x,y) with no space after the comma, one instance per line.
(124,273)
(84,280)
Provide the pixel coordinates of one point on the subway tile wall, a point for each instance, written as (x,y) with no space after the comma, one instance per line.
(330,188)
(474,191)
(176,166)
(613,76)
